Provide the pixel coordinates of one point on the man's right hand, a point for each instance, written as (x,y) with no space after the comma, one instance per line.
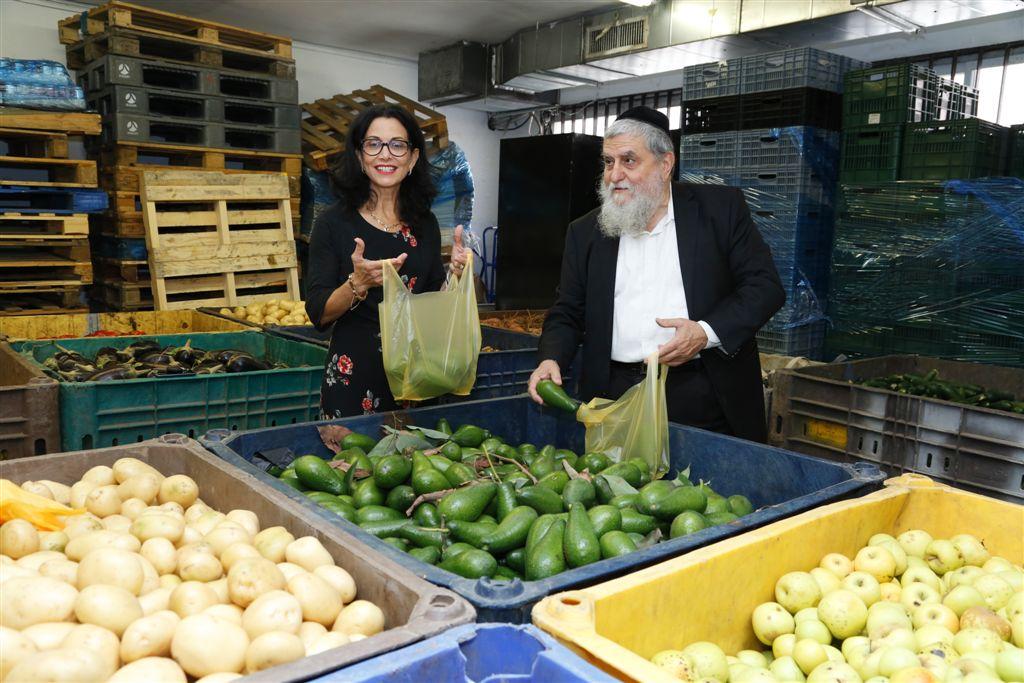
(548,369)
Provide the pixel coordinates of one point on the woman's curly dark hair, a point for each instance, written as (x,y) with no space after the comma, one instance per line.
(417,190)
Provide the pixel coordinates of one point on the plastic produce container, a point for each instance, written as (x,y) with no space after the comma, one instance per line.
(413,609)
(29,407)
(710,593)
(778,484)
(478,653)
(95,414)
(20,327)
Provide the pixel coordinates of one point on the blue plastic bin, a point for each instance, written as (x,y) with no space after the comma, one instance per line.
(476,653)
(779,484)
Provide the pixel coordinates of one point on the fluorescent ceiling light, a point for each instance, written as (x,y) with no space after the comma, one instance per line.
(639,3)
(888,17)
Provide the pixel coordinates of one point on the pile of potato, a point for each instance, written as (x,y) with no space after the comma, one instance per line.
(274,312)
(151,584)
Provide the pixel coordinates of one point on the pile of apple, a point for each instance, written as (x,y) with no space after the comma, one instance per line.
(911,609)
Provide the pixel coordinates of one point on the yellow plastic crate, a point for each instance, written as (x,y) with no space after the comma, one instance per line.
(710,593)
(23,327)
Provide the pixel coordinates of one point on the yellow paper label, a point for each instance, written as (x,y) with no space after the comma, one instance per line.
(827,432)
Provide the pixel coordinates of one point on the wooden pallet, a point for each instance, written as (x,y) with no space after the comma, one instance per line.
(125,219)
(109,269)
(76,123)
(121,178)
(16,225)
(208,158)
(180,49)
(218,239)
(159,23)
(38,302)
(34,143)
(44,263)
(124,296)
(326,121)
(58,172)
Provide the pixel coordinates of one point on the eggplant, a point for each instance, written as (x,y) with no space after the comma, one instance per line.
(109,374)
(244,363)
(142,347)
(227,354)
(156,357)
(208,369)
(185,355)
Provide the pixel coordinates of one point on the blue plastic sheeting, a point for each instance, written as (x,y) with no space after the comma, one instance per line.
(777,482)
(453,179)
(38,84)
(476,653)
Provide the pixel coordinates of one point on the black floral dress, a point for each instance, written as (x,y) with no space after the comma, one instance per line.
(354,381)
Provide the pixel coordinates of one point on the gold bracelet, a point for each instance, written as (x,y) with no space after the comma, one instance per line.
(355,295)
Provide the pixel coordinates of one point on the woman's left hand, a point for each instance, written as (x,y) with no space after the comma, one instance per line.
(460,252)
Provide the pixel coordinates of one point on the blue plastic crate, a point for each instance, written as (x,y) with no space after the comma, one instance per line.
(712,79)
(709,151)
(789,183)
(790,146)
(803,67)
(120,248)
(777,482)
(30,199)
(476,653)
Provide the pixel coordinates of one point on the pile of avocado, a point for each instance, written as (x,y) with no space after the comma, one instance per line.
(509,511)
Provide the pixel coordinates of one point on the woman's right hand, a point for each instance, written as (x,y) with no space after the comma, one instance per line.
(366,273)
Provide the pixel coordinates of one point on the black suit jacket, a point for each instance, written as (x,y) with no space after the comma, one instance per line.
(730,281)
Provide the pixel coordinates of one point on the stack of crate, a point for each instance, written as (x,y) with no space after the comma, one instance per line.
(769,124)
(176,91)
(45,197)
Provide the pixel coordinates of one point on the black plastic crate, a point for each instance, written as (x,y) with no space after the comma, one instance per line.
(871,153)
(791,107)
(904,93)
(711,115)
(944,150)
(1015,151)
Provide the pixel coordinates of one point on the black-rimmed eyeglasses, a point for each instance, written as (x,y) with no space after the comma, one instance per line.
(398,147)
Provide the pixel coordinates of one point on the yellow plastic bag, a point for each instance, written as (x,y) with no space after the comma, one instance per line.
(634,426)
(43,513)
(430,341)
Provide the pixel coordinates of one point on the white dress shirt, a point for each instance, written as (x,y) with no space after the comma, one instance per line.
(649,285)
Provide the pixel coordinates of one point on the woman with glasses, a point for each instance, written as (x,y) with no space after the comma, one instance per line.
(383,215)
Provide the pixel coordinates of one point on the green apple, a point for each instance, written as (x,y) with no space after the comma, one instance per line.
(914,561)
(891,591)
(936,665)
(878,539)
(945,651)
(914,542)
(806,614)
(808,654)
(971,641)
(978,662)
(876,561)
(675,663)
(752,658)
(898,554)
(814,630)
(921,574)
(917,594)
(834,655)
(752,675)
(930,634)
(833,672)
(942,556)
(855,650)
(771,620)
(843,612)
(1017,629)
(994,589)
(708,660)
(973,550)
(783,645)
(878,679)
(896,658)
(996,564)
(884,617)
(870,667)
(786,669)
(913,674)
(865,586)
(1015,605)
(964,576)
(1010,664)
(737,668)
(826,580)
(1014,577)
(935,614)
(796,591)
(983,617)
(837,563)
(900,637)
(962,597)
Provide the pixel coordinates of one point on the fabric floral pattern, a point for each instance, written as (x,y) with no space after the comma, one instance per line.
(338,370)
(409,282)
(370,403)
(407,235)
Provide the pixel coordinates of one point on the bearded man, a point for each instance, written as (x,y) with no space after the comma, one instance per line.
(673,268)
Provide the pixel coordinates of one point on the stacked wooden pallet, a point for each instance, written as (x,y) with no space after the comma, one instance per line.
(44,199)
(176,92)
(218,239)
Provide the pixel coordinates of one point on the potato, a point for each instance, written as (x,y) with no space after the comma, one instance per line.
(117,523)
(59,666)
(126,468)
(198,563)
(99,641)
(273,542)
(253,309)
(272,649)
(180,489)
(133,507)
(150,577)
(53,540)
(287,305)
(18,538)
(273,611)
(220,587)
(79,526)
(103,501)
(81,546)
(204,645)
(81,490)
(38,558)
(235,552)
(308,553)
(146,527)
(14,647)
(320,602)
(143,486)
(208,521)
(252,577)
(61,492)
(62,570)
(37,488)
(36,600)
(226,533)
(150,669)
(195,511)
(170,581)
(361,616)
(340,580)
(111,567)
(171,508)
(310,632)
(247,519)
(149,636)
(13,571)
(111,607)
(161,554)
(239,311)
(101,475)
(156,601)
(328,641)
(289,570)
(50,635)
(232,613)
(192,597)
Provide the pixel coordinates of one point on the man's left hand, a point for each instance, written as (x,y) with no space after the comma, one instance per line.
(689,340)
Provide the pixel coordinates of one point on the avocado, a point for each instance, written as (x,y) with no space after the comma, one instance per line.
(615,543)
(512,531)
(580,543)
(425,477)
(540,498)
(471,564)
(467,504)
(605,518)
(578,491)
(546,557)
(314,473)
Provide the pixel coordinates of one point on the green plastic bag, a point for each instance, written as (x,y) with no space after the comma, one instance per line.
(634,426)
(430,341)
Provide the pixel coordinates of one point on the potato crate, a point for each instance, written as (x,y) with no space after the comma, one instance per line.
(21,328)
(29,405)
(413,609)
(96,414)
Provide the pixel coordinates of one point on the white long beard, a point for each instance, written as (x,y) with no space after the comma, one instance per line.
(631,218)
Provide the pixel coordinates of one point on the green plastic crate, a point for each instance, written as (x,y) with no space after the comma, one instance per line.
(904,93)
(947,150)
(99,414)
(1015,160)
(871,153)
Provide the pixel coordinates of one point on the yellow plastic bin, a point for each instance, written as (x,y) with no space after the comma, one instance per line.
(709,594)
(24,327)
